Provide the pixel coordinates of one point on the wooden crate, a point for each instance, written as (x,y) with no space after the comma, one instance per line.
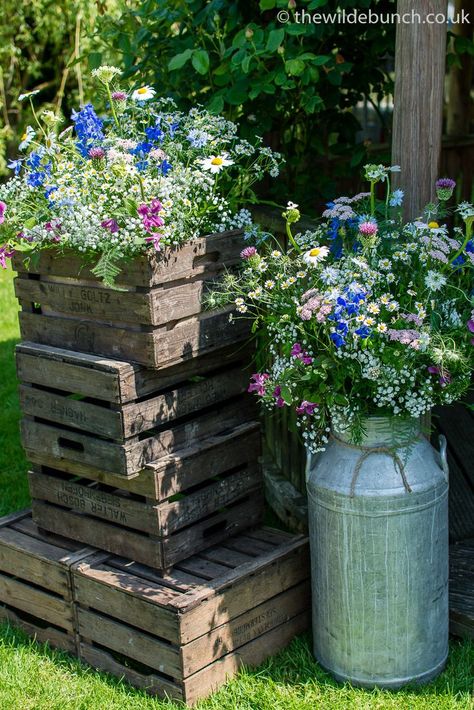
(156,318)
(184,634)
(112,416)
(35,580)
(181,505)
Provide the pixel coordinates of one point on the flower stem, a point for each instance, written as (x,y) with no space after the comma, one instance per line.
(112,107)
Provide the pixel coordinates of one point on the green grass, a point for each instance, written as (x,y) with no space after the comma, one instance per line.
(33,677)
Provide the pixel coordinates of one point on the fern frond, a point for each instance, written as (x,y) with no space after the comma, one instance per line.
(107,269)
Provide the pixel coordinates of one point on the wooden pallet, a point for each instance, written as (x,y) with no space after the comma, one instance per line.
(35,580)
(183,503)
(115,417)
(184,634)
(461,589)
(156,318)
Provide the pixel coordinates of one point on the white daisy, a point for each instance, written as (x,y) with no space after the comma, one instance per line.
(144,93)
(26,138)
(215,163)
(316,255)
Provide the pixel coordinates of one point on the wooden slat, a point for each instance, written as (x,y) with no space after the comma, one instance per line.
(244,628)
(138,645)
(34,601)
(461,589)
(158,348)
(199,256)
(254,653)
(38,630)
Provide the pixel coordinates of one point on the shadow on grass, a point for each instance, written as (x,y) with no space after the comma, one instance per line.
(296,666)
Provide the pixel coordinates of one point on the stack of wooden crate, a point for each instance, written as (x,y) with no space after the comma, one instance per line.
(144,444)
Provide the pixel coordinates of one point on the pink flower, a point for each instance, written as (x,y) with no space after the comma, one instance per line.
(280,402)
(306,408)
(470,325)
(248,252)
(111,225)
(5,253)
(150,215)
(368,229)
(96,153)
(298,352)
(155,239)
(258,384)
(55,228)
(3,209)
(119,95)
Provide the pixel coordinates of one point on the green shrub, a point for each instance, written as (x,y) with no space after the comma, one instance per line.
(293,83)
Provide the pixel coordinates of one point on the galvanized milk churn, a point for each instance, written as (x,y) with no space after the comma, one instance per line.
(378,516)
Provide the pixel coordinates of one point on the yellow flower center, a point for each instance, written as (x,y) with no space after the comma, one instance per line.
(143,90)
(24,136)
(315,252)
(217,161)
(433,225)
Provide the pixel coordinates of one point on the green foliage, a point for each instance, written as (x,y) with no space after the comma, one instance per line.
(292,83)
(44,44)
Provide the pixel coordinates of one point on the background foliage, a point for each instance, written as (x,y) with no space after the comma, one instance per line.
(44,44)
(293,83)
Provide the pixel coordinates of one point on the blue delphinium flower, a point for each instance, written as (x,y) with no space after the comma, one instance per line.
(15,165)
(363,332)
(88,129)
(142,165)
(142,149)
(338,340)
(165,167)
(154,133)
(396,198)
(172,128)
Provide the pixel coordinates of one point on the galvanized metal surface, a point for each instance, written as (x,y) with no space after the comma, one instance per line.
(380,557)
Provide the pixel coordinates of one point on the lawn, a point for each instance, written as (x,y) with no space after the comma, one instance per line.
(33,677)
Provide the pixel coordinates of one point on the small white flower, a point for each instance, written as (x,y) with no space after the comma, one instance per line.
(216,163)
(144,93)
(106,73)
(316,255)
(269,284)
(276,254)
(435,281)
(28,95)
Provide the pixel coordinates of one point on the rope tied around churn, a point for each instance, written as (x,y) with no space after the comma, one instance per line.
(368,451)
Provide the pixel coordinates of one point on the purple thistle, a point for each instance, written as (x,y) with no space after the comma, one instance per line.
(445,188)
(248,252)
(119,96)
(97,153)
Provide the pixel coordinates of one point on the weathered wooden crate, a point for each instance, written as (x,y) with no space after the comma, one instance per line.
(35,580)
(112,416)
(184,634)
(156,318)
(188,501)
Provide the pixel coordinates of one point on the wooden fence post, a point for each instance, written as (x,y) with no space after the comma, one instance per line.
(420,58)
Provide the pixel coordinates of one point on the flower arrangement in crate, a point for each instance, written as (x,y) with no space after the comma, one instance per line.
(139,178)
(364,316)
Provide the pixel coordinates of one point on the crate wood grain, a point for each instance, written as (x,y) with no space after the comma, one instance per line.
(201,495)
(155,317)
(185,633)
(52,444)
(56,400)
(35,580)
(157,348)
(114,381)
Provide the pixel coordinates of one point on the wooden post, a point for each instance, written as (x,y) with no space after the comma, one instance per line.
(460,78)
(420,58)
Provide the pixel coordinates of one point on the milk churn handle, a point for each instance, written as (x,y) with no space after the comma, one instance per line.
(379,450)
(443,455)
